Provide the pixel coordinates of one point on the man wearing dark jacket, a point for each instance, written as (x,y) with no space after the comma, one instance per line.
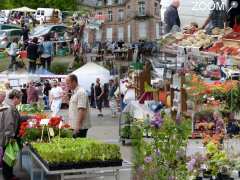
(171,16)
(32,53)
(234,13)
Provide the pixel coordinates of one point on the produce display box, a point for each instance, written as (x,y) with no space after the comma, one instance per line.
(232,40)
(81,165)
(202,123)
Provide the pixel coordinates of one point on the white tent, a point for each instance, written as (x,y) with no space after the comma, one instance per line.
(88,74)
(24,9)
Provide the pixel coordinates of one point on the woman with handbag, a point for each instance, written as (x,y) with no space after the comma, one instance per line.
(9,127)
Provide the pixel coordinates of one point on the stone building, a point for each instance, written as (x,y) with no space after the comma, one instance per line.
(128,20)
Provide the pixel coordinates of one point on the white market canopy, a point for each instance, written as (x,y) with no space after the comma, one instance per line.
(24,9)
(88,74)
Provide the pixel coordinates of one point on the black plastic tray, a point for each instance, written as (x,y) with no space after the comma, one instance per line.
(80,165)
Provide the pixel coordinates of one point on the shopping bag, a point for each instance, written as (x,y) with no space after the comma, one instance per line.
(11,153)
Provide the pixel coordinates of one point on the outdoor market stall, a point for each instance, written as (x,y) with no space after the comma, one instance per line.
(51,150)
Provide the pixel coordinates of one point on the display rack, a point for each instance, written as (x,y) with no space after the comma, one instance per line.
(35,165)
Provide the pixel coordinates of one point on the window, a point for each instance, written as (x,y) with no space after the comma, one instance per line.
(99,3)
(129,33)
(157,30)
(128,11)
(120,1)
(109,2)
(156,8)
(110,17)
(109,34)
(120,33)
(99,13)
(142,30)
(98,35)
(120,15)
(141,9)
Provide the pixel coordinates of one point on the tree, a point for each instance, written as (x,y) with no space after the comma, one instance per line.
(69,5)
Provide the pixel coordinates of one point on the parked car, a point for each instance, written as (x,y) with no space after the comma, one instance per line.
(3,19)
(43,30)
(47,13)
(7,36)
(9,26)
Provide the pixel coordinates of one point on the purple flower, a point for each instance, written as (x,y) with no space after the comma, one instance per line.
(191,164)
(157,122)
(171,178)
(148,159)
(158,153)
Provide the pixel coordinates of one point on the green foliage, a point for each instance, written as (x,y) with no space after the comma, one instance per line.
(167,150)
(31,108)
(233,99)
(60,4)
(34,134)
(216,158)
(59,68)
(65,150)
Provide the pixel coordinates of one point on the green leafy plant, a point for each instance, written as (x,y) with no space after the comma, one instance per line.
(69,150)
(233,99)
(165,156)
(34,134)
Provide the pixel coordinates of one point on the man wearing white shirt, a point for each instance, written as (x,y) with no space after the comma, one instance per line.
(55,96)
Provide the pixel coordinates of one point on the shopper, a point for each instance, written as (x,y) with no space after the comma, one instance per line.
(32,53)
(105,95)
(55,98)
(217,17)
(24,94)
(92,98)
(112,98)
(171,17)
(8,90)
(2,98)
(32,93)
(47,52)
(79,110)
(98,94)
(46,90)
(9,126)
(25,36)
(13,55)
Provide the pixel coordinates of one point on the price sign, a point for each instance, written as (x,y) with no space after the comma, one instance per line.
(51,132)
(44,122)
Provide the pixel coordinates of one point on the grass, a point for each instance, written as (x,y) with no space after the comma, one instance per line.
(4,62)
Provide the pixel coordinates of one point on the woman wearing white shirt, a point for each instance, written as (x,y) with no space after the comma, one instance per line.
(55,96)
(13,54)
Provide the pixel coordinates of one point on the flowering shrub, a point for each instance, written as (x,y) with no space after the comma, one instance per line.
(165,156)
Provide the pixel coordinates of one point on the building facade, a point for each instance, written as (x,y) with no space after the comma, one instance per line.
(128,20)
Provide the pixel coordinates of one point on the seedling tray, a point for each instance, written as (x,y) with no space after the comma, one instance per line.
(79,165)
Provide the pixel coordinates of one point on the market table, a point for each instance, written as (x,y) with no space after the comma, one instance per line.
(36,165)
